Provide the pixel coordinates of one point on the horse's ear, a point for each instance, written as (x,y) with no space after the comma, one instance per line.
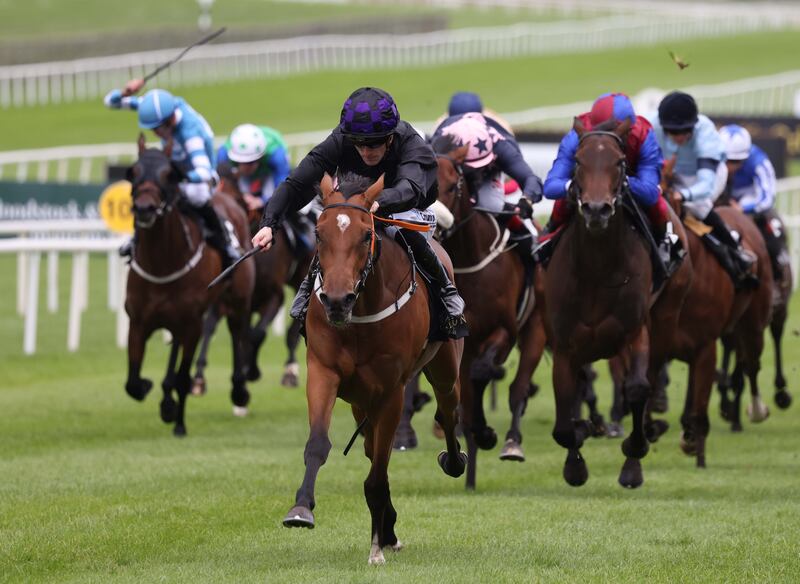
(578,126)
(140,142)
(326,186)
(375,190)
(168,147)
(623,128)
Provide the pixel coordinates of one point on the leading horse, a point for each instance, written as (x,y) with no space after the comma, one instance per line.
(367,329)
(171,268)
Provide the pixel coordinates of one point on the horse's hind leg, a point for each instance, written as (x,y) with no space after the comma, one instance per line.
(168,408)
(695,420)
(442,373)
(588,377)
(258,334)
(616,369)
(322,387)
(210,321)
(752,347)
(291,369)
(183,379)
(237,325)
(405,438)
(136,386)
(637,392)
(566,432)
(724,380)
(783,398)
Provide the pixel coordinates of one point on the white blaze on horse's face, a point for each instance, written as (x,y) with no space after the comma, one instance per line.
(343,221)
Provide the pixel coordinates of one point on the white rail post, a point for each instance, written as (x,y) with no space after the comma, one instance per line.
(122,316)
(22,281)
(32,304)
(84,265)
(52,281)
(113,280)
(76,297)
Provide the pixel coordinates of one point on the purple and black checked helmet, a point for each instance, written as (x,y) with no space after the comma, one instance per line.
(368,113)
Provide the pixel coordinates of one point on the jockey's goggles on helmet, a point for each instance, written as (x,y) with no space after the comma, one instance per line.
(371,142)
(678,131)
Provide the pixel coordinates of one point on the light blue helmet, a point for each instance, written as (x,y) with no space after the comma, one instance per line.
(155,108)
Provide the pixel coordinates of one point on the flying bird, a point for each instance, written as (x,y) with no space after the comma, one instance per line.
(678,61)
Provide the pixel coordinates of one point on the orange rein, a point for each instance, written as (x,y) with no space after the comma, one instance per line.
(403,224)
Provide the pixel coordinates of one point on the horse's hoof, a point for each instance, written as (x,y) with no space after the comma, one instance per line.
(376,556)
(598,426)
(783,399)
(512,451)
(405,438)
(179,431)
(631,476)
(139,391)
(299,516)
(240,412)
(291,375)
(576,472)
(253,373)
(533,389)
(615,430)
(655,430)
(198,386)
(757,411)
(736,427)
(395,547)
(688,444)
(486,438)
(168,410)
(455,468)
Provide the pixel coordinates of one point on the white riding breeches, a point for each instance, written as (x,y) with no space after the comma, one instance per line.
(424,216)
(198,194)
(491,195)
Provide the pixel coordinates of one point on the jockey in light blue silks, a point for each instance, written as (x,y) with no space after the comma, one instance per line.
(751,178)
(172,118)
(700,175)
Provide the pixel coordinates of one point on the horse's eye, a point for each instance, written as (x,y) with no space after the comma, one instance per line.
(316,236)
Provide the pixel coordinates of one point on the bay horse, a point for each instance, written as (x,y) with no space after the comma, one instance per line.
(598,292)
(713,308)
(276,268)
(491,281)
(171,267)
(367,333)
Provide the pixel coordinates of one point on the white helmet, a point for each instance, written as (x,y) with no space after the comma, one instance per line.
(248,143)
(737,142)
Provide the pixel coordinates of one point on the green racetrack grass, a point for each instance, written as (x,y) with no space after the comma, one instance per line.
(94,488)
(312,102)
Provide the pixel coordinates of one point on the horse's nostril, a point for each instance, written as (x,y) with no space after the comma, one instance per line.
(349,299)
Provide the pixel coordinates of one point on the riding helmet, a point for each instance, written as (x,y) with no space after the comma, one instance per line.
(677,111)
(369,112)
(155,108)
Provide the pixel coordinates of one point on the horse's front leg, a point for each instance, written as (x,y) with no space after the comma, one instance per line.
(724,380)
(783,398)
(406,438)
(136,386)
(695,420)
(168,408)
(637,392)
(258,334)
(568,432)
(238,327)
(323,385)
(210,321)
(291,369)
(190,337)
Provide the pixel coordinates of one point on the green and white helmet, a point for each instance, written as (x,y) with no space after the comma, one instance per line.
(247,143)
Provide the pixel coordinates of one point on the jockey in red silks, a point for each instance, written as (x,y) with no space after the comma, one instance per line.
(643,168)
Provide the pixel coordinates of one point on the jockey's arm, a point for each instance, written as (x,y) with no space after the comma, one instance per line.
(416,173)
(762,197)
(510,161)
(115,100)
(202,171)
(298,188)
(555,187)
(645,183)
(703,188)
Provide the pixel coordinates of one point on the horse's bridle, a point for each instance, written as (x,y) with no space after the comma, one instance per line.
(359,285)
(459,168)
(618,190)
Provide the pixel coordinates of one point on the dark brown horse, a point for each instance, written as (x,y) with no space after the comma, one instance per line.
(278,267)
(171,268)
(598,290)
(367,330)
(491,279)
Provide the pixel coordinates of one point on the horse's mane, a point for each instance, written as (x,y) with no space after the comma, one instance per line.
(351,184)
(444,143)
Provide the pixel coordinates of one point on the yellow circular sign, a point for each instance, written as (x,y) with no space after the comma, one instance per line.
(115,207)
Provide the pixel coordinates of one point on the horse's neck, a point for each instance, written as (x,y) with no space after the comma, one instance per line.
(388,280)
(471,243)
(165,245)
(602,253)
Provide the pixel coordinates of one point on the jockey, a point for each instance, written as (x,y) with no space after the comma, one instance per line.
(491,152)
(372,140)
(643,169)
(171,118)
(752,180)
(694,141)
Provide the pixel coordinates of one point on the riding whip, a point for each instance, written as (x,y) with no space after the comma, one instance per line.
(202,41)
(227,271)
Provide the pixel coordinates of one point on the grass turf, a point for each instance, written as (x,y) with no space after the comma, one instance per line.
(312,102)
(93,488)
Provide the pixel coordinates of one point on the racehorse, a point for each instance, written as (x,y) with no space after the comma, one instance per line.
(274,269)
(598,293)
(171,267)
(367,330)
(498,302)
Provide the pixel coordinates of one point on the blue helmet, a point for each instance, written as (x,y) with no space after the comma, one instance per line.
(155,108)
(464,102)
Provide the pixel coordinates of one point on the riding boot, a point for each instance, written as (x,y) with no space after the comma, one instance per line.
(740,259)
(219,238)
(562,212)
(303,296)
(126,249)
(454,325)
(774,245)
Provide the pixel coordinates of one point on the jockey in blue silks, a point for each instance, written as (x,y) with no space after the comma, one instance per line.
(171,118)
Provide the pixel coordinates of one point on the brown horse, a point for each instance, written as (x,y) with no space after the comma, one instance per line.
(598,290)
(492,282)
(274,269)
(367,331)
(713,308)
(171,268)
